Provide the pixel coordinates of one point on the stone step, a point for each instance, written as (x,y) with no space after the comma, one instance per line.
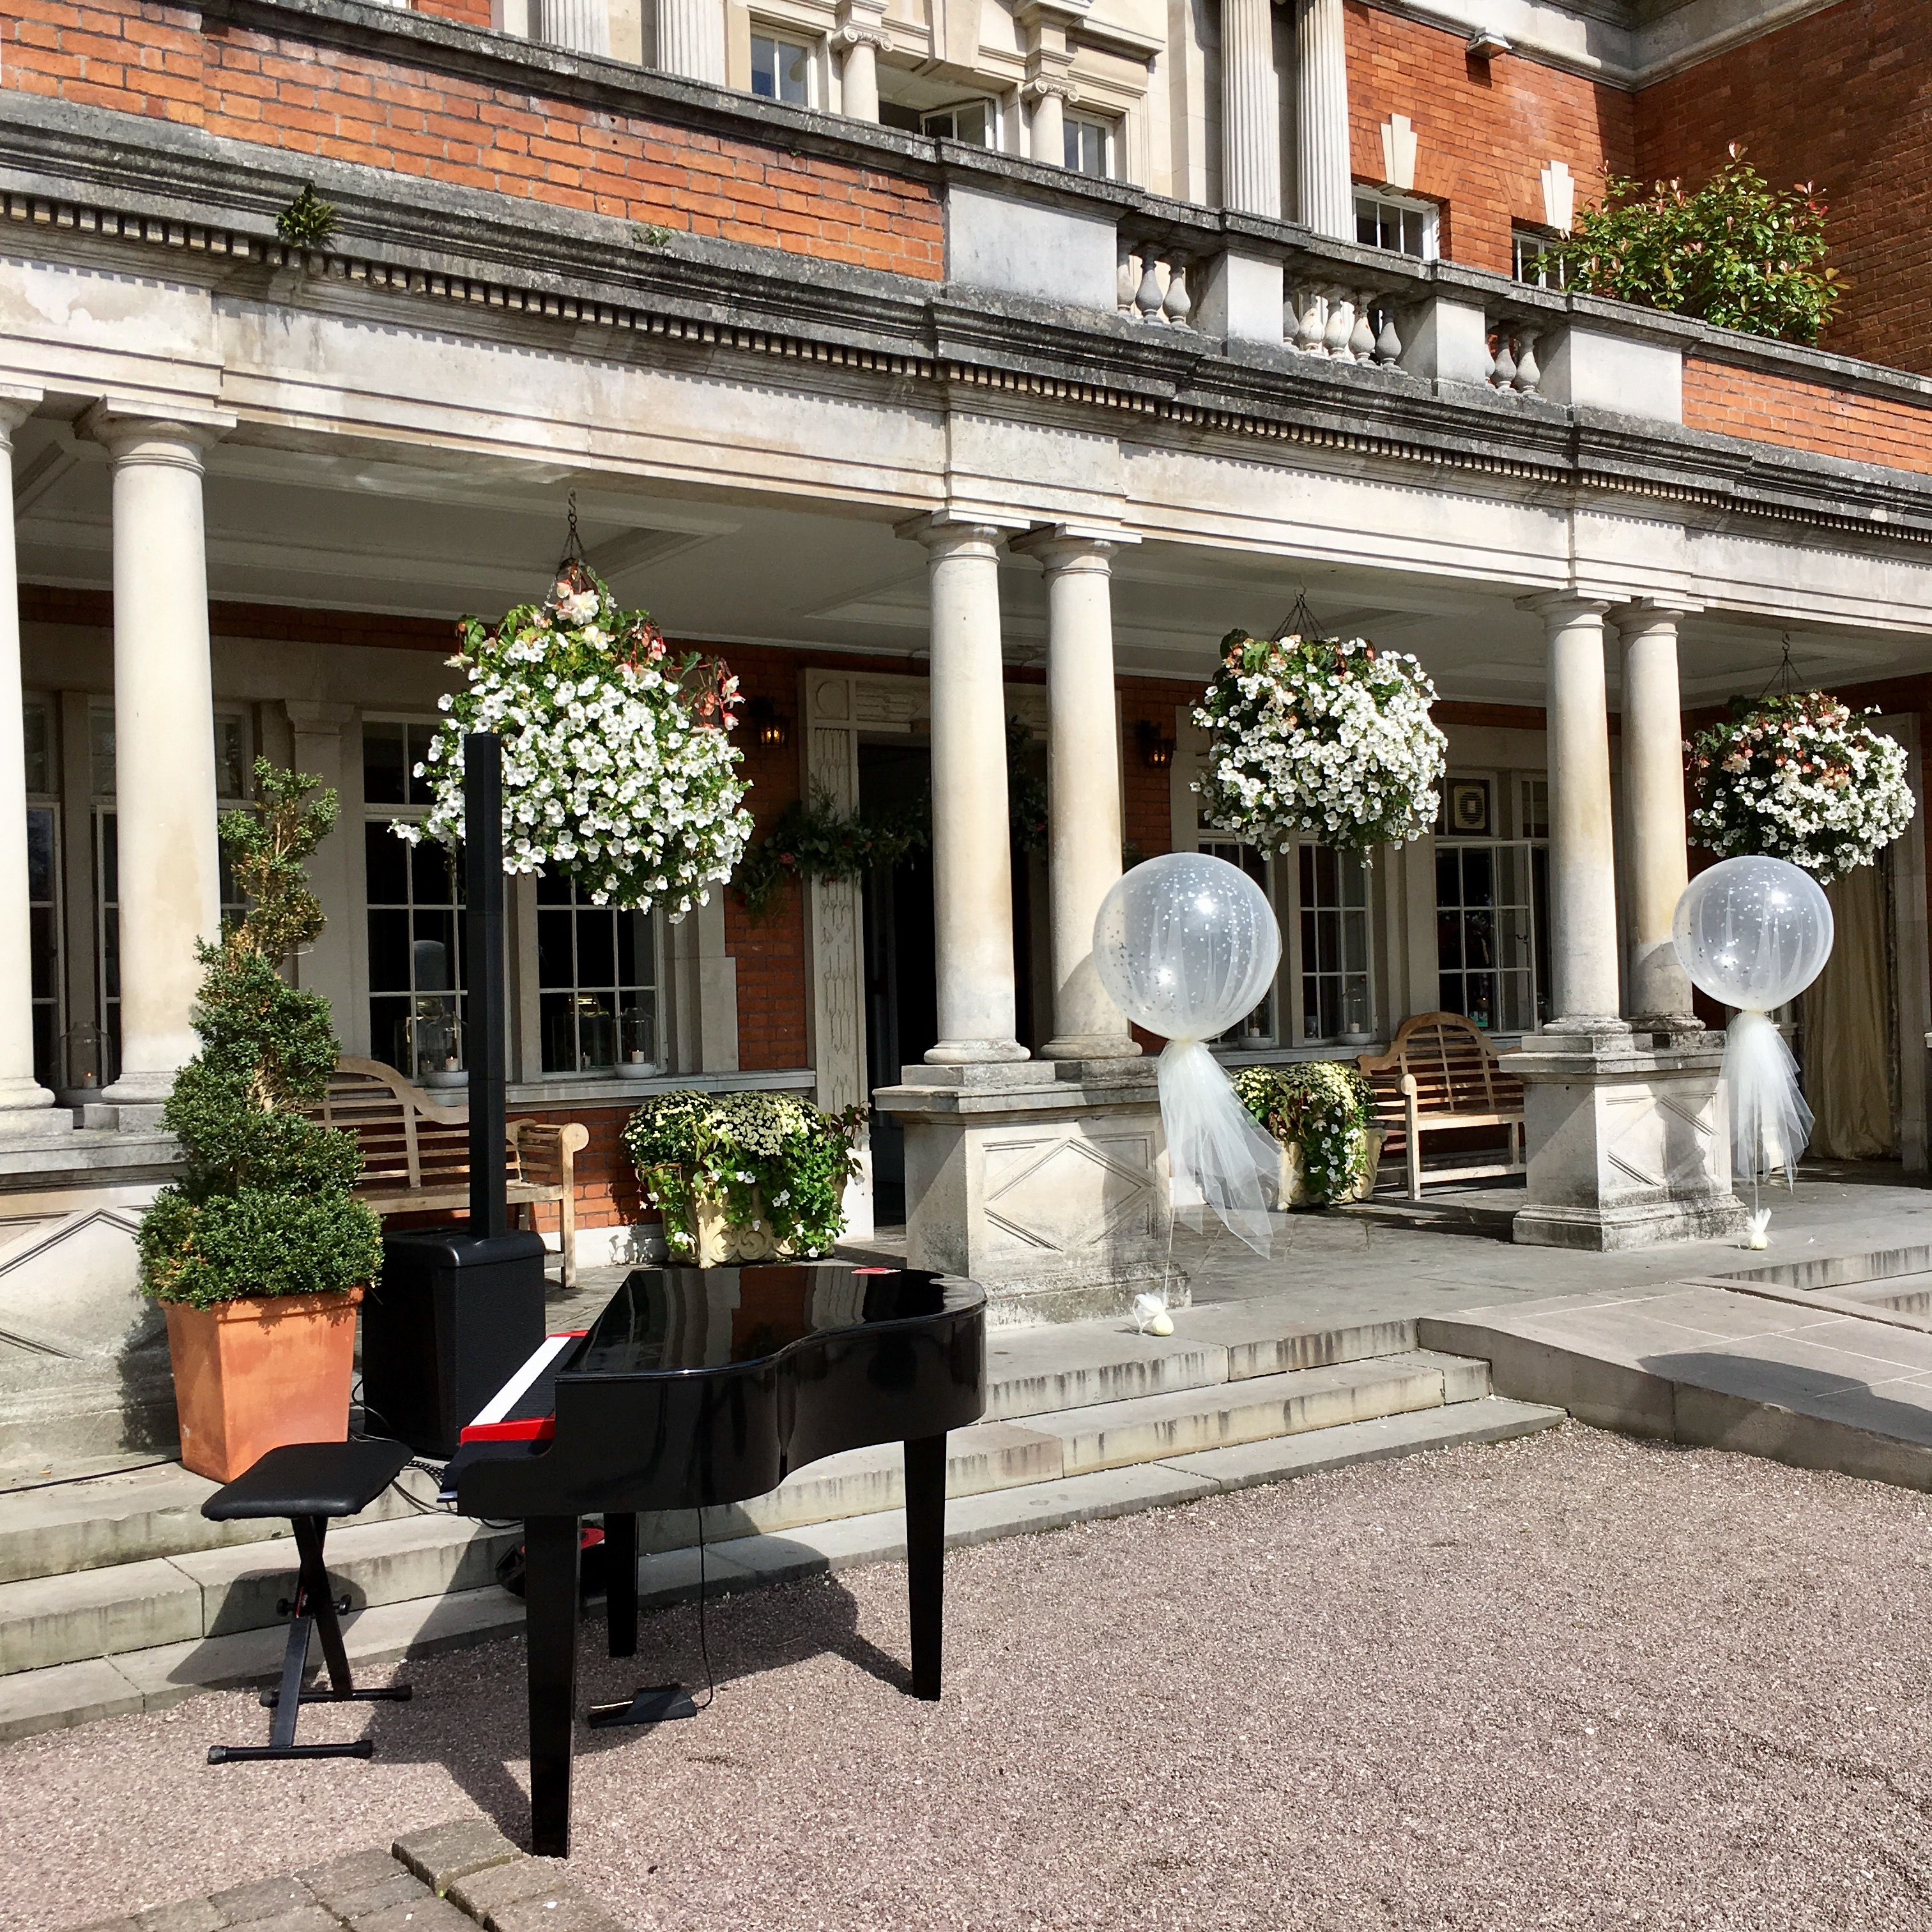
(149,1514)
(167,1673)
(216,1593)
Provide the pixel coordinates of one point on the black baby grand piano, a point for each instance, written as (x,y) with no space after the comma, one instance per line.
(698,1387)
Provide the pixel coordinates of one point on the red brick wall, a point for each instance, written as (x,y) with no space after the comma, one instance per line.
(1841,100)
(1807,416)
(304,97)
(1483,129)
(1148,809)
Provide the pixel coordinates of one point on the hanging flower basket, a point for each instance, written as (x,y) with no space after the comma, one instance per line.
(1321,736)
(1801,777)
(618,770)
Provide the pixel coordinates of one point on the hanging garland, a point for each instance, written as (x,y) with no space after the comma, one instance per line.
(1801,777)
(1323,736)
(820,841)
(618,770)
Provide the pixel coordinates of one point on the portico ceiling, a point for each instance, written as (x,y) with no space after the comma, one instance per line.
(322,530)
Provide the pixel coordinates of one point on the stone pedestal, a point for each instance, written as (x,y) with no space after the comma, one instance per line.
(1629,1144)
(1045,1182)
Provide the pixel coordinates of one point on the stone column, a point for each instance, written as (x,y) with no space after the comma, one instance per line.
(1657,989)
(163,743)
(583,26)
(972,859)
(1324,185)
(1046,139)
(691,39)
(1084,807)
(22,1096)
(861,31)
(1583,853)
(1250,109)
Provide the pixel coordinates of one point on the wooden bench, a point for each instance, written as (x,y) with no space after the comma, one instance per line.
(1440,1075)
(416,1153)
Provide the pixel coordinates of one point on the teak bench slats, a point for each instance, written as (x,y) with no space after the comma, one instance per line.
(415,1154)
(1440,1074)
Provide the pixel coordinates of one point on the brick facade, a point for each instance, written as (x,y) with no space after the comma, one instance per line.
(1483,129)
(1838,99)
(306,97)
(1765,408)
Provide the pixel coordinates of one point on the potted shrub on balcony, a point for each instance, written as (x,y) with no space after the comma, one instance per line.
(743,1177)
(260,1253)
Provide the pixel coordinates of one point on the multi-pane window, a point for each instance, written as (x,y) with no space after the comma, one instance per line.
(780,70)
(231,789)
(975,122)
(1089,146)
(1492,906)
(1539,258)
(597,982)
(1405,227)
(43,888)
(1334,917)
(415,894)
(1258,1028)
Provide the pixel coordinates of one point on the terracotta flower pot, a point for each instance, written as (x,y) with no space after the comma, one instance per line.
(251,1375)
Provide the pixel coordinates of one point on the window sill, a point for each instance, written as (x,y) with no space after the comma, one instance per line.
(563,1090)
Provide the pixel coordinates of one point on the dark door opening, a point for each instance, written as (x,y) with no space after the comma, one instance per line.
(902,1004)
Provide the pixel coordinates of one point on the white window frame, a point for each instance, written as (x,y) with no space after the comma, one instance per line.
(1528,245)
(790,38)
(1108,129)
(652,941)
(1406,204)
(47,798)
(1519,825)
(995,127)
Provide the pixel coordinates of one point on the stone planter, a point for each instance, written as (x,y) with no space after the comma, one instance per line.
(251,1375)
(1291,1187)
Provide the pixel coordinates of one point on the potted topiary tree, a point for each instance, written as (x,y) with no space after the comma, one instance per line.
(260,1253)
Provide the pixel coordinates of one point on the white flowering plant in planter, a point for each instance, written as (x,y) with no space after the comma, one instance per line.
(618,769)
(1801,777)
(1322,736)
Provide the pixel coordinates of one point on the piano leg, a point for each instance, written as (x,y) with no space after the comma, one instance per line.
(620,1560)
(926,1557)
(550,1596)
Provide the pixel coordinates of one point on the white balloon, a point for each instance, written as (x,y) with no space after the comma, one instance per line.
(1186,945)
(1753,933)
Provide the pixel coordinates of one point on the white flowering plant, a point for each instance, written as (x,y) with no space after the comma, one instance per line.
(1801,777)
(1319,735)
(618,769)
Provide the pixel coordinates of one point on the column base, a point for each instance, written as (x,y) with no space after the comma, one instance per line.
(34,1122)
(1629,1144)
(974,1052)
(1043,1183)
(23,1095)
(1092,1046)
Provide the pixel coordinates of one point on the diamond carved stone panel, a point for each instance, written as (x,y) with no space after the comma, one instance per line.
(1662,1140)
(1060,1192)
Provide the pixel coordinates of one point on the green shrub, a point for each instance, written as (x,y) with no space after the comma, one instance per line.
(265,1208)
(794,1158)
(1737,252)
(1323,1106)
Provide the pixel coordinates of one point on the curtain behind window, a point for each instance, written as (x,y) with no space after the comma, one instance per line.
(1847,1017)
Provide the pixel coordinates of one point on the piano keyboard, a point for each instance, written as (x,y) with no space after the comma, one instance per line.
(524,1409)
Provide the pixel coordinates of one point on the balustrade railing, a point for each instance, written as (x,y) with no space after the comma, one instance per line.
(1512,340)
(1345,325)
(1151,285)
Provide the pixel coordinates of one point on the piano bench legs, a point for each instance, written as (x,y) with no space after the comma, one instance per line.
(314,1609)
(925,1558)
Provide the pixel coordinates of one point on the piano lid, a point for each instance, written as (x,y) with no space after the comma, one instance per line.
(672,1319)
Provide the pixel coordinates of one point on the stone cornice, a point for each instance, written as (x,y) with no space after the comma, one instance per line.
(90,186)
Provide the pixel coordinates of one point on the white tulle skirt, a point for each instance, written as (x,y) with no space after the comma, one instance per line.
(1218,1155)
(1770,1123)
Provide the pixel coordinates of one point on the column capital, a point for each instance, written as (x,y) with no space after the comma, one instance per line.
(133,434)
(1070,546)
(1562,607)
(1639,613)
(946,533)
(18,401)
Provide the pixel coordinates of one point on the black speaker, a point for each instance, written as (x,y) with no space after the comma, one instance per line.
(453,1318)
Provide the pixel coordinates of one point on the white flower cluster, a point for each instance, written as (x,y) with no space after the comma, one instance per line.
(1315,736)
(618,769)
(1803,778)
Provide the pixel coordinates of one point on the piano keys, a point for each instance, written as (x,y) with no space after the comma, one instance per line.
(696,1387)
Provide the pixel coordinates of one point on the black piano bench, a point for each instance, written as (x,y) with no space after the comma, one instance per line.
(309,1483)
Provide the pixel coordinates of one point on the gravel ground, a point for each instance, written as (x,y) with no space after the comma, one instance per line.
(1570,1681)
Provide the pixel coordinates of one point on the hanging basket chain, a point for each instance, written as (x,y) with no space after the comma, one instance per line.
(1300,622)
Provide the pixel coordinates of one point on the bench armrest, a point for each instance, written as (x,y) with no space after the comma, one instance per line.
(546,1152)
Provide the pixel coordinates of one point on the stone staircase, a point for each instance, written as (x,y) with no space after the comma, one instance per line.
(116,1595)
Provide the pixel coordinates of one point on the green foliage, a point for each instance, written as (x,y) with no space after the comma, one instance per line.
(265,1208)
(1322,1105)
(1026,790)
(820,841)
(769,1152)
(1737,252)
(308,221)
